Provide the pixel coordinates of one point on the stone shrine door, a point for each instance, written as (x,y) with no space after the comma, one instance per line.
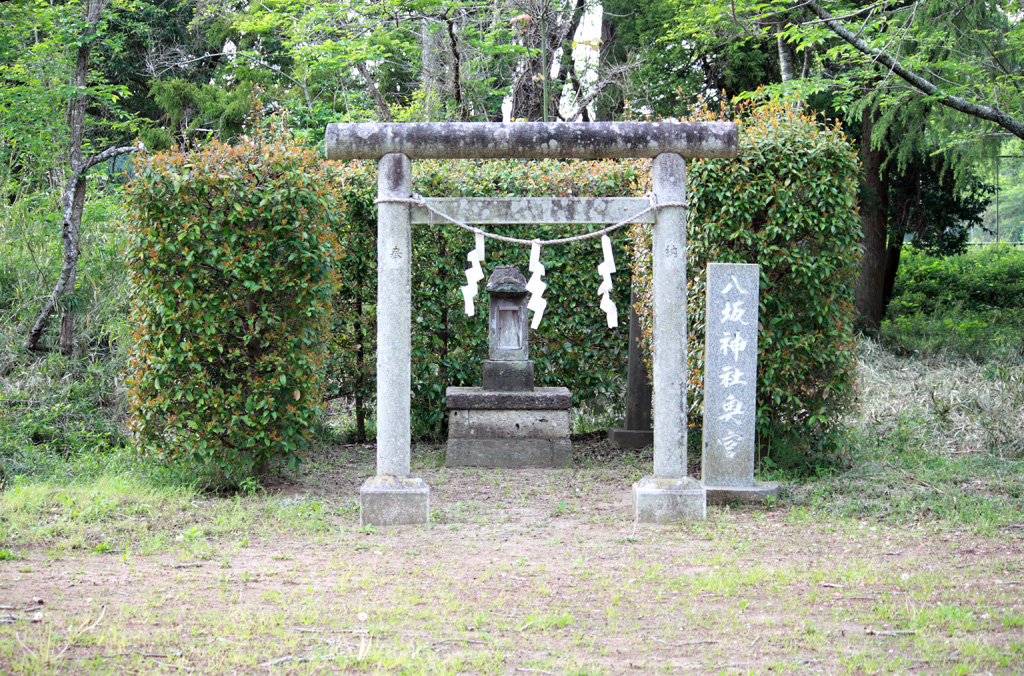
(393,496)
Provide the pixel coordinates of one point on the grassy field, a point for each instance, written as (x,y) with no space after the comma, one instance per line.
(903,554)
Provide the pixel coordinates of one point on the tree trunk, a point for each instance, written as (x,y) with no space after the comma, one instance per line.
(461,111)
(72,204)
(567,64)
(382,105)
(787,69)
(874,217)
(72,231)
(72,226)
(431,76)
(892,265)
(73,197)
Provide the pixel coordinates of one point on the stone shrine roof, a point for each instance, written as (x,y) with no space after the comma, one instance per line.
(506,280)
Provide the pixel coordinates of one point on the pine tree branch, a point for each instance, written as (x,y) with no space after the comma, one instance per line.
(923,85)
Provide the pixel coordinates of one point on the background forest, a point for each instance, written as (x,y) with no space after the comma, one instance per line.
(929,91)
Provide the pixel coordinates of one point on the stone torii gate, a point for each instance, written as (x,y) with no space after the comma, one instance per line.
(393,496)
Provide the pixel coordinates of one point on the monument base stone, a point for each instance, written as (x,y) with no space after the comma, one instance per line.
(620,437)
(662,500)
(386,500)
(509,453)
(723,495)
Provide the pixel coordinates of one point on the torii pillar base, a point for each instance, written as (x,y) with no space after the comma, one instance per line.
(386,500)
(664,500)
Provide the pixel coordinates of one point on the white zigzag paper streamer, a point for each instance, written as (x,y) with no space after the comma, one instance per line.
(474,274)
(536,286)
(606,269)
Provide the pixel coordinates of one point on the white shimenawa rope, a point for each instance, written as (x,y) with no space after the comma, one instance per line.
(536,285)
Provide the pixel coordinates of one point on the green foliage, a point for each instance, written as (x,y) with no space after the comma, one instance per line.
(971,304)
(1010,210)
(201,111)
(688,50)
(33,98)
(60,417)
(230,261)
(573,346)
(926,203)
(788,204)
(990,278)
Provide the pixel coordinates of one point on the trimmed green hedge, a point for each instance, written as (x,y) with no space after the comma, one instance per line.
(231,257)
(788,203)
(572,347)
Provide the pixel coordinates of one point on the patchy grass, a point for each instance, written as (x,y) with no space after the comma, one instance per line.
(519,572)
(934,438)
(906,556)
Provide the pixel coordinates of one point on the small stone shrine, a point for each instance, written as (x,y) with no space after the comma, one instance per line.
(508,422)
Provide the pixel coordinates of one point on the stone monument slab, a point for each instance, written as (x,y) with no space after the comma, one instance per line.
(730,384)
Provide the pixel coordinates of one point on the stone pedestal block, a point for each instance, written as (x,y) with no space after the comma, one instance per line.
(508,376)
(387,500)
(488,428)
(620,437)
(663,500)
(546,398)
(723,495)
(508,453)
(508,424)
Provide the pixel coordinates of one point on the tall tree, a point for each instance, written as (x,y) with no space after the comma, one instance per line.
(87,32)
(683,53)
(922,76)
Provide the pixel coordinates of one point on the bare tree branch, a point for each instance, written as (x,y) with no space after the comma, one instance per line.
(611,78)
(378,98)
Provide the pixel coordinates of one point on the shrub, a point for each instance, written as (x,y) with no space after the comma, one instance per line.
(572,347)
(971,304)
(60,417)
(990,277)
(787,203)
(230,258)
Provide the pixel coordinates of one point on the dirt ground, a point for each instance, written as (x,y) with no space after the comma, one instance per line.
(520,572)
